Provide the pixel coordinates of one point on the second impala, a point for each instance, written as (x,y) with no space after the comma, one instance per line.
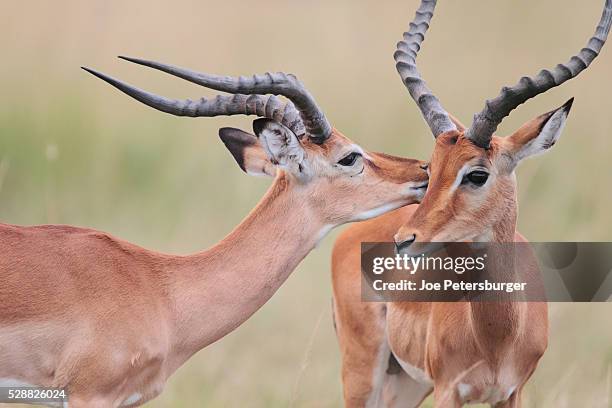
(397,353)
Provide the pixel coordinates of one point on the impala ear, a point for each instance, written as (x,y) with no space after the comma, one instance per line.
(538,135)
(460,126)
(280,143)
(247,152)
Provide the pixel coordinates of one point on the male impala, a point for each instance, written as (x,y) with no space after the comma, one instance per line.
(110,321)
(396,354)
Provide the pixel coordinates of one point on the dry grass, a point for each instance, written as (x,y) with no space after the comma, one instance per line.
(82,154)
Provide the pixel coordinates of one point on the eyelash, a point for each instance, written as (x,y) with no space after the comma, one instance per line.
(476,177)
(349,159)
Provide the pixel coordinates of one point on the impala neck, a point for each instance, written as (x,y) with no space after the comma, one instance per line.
(505,229)
(497,323)
(217,290)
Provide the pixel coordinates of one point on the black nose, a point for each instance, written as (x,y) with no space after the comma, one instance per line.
(405,243)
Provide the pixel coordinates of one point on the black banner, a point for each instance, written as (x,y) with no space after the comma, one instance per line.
(460,271)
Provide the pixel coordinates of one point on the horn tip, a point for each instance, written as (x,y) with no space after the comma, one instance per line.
(130,59)
(92,71)
(102,76)
(134,60)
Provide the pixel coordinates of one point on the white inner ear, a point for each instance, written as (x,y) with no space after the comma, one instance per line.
(548,136)
(281,144)
(259,165)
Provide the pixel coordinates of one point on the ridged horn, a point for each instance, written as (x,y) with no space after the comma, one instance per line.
(486,122)
(268,106)
(405,62)
(278,83)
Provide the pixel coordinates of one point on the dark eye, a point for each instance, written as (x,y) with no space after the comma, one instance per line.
(477,177)
(350,159)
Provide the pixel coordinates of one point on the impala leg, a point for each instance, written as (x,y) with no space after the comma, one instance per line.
(513,402)
(363,375)
(365,352)
(402,391)
(445,396)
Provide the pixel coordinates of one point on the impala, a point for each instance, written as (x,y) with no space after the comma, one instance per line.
(110,321)
(396,354)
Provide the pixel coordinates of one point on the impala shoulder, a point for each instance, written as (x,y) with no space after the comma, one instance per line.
(93,241)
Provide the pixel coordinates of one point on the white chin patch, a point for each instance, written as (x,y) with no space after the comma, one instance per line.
(415,190)
(366,215)
(132,399)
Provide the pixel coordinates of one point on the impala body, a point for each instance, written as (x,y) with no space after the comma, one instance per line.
(397,353)
(110,321)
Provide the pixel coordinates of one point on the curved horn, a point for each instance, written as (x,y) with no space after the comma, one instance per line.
(405,62)
(268,106)
(279,83)
(495,110)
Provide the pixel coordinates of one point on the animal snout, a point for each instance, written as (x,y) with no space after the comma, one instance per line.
(403,241)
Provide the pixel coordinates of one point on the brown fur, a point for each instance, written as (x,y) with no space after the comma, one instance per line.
(106,319)
(483,345)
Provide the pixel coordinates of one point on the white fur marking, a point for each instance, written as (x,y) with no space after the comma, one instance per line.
(410,188)
(322,233)
(547,137)
(459,177)
(510,392)
(256,173)
(358,149)
(378,376)
(283,147)
(416,373)
(132,399)
(376,212)
(464,390)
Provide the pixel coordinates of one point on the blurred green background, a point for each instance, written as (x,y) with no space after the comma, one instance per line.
(75,151)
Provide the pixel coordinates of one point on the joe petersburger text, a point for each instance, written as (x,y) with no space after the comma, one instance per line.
(458,265)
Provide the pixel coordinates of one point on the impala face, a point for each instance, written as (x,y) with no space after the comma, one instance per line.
(471,188)
(365,184)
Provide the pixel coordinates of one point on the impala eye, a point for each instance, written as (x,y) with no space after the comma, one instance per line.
(350,159)
(476,177)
